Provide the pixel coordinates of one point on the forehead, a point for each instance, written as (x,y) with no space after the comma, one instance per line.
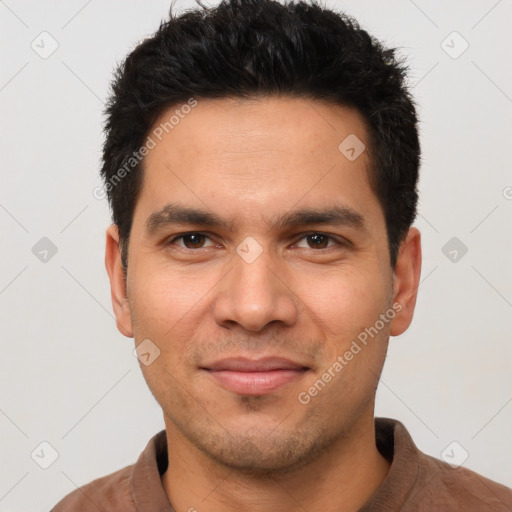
(228,127)
(254,156)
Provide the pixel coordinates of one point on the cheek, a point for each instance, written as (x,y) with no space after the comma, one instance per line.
(347,310)
(166,308)
(165,299)
(345,300)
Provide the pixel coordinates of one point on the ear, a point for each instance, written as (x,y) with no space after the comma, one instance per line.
(406,281)
(117,282)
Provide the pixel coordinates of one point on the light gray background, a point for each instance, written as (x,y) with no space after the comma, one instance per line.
(69,378)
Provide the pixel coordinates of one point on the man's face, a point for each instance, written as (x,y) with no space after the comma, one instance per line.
(258,285)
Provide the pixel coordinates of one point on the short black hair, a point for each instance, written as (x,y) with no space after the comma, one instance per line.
(255,48)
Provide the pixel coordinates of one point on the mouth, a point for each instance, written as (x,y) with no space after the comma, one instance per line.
(255,377)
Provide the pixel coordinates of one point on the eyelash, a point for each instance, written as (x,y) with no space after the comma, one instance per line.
(330,237)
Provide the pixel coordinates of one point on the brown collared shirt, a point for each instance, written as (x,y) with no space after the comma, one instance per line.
(415,482)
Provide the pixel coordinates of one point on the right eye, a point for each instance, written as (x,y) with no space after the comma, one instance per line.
(190,240)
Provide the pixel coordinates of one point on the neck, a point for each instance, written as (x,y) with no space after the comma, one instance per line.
(342,479)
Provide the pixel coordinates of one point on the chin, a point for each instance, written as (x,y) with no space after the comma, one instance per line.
(262,452)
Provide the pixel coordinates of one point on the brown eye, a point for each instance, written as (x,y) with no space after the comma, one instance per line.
(194,241)
(317,241)
(191,240)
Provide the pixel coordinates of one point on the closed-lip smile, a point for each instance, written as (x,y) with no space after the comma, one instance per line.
(254,377)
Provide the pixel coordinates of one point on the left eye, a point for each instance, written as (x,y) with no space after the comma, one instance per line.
(318,240)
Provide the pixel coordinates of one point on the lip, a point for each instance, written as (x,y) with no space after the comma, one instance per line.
(255,377)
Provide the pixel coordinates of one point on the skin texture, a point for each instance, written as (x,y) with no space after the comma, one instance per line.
(250,162)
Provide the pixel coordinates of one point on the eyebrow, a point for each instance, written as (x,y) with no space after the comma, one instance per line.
(337,215)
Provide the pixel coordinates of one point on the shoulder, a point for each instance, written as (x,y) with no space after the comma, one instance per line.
(449,488)
(111,492)
(418,482)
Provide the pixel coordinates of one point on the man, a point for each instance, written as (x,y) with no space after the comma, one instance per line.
(261,161)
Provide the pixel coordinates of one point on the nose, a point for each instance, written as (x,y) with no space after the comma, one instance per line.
(253,295)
